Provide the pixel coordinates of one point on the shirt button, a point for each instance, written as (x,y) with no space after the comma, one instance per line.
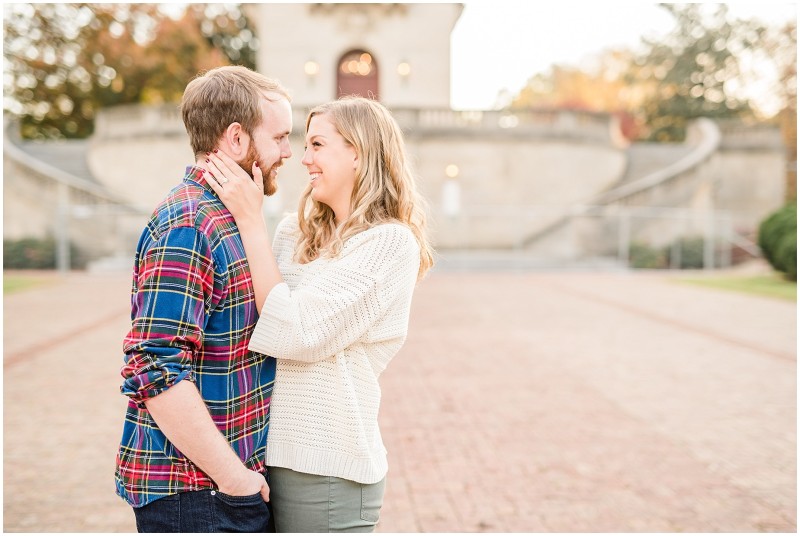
(213,492)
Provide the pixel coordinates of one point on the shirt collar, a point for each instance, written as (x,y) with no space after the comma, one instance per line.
(195,174)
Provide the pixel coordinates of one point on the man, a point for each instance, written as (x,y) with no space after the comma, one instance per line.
(192,452)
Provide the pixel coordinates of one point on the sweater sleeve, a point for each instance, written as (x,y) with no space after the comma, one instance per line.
(337,303)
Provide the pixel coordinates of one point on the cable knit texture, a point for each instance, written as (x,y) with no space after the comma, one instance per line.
(334,325)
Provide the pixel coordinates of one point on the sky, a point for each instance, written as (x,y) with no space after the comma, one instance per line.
(500,44)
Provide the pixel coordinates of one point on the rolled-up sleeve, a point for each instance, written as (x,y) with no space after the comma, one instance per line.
(170,304)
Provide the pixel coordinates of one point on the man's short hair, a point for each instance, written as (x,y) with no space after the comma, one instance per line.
(221,96)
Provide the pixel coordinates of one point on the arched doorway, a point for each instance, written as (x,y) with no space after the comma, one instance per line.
(357,75)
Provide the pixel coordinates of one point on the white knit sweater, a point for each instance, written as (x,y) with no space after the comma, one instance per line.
(333,326)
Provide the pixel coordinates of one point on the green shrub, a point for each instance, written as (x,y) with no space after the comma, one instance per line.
(30,254)
(37,254)
(786,255)
(644,256)
(692,252)
(779,226)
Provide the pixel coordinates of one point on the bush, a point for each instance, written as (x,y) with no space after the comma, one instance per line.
(786,255)
(644,256)
(29,254)
(692,252)
(37,254)
(777,238)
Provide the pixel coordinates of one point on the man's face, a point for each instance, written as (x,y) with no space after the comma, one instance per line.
(269,144)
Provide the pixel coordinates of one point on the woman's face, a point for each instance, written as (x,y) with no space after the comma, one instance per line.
(331,164)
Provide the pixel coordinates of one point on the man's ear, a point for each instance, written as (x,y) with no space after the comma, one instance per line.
(235,141)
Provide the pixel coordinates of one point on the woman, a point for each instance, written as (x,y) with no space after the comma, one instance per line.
(336,297)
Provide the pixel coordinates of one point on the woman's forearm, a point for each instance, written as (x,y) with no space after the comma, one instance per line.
(263,266)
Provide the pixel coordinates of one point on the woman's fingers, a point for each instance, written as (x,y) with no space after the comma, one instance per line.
(216,174)
(214,183)
(219,180)
(232,183)
(218,169)
(228,168)
(258,177)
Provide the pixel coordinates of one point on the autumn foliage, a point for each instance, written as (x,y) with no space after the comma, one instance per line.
(66,61)
(703,68)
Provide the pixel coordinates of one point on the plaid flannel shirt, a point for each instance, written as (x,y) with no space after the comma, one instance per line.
(193,311)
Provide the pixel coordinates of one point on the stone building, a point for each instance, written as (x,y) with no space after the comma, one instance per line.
(554,187)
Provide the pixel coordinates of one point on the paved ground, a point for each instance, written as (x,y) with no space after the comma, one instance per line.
(521,402)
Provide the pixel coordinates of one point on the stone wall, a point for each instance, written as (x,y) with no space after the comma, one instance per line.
(36,206)
(520,179)
(286,31)
(28,199)
(751,170)
(514,178)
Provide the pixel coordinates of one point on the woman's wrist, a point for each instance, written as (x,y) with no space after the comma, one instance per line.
(250,220)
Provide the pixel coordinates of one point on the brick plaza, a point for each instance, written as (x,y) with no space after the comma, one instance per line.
(535,402)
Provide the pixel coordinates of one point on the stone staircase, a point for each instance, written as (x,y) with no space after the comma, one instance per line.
(67,155)
(654,173)
(51,192)
(646,158)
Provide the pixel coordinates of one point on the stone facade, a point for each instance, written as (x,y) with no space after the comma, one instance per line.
(513,181)
(302,44)
(554,184)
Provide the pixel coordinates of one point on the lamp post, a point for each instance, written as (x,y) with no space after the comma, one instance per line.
(311,69)
(451,192)
(63,260)
(404,70)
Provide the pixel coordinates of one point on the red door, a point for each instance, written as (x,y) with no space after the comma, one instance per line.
(357,75)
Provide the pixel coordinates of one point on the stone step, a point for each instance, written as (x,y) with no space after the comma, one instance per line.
(518,260)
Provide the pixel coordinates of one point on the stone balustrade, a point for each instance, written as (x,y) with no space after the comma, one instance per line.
(552,124)
(128,121)
(737,135)
(133,120)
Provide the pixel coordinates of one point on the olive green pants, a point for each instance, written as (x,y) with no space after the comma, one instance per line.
(312,503)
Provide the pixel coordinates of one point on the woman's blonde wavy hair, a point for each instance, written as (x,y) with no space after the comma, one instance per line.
(385,190)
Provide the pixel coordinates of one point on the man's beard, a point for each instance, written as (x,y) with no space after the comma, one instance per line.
(270,183)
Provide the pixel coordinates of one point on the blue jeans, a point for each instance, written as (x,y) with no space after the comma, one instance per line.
(204,511)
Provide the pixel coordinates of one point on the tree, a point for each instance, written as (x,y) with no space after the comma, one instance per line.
(54,80)
(697,69)
(227,29)
(710,65)
(66,61)
(779,48)
(598,88)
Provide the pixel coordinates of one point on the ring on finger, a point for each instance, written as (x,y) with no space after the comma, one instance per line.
(223,181)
